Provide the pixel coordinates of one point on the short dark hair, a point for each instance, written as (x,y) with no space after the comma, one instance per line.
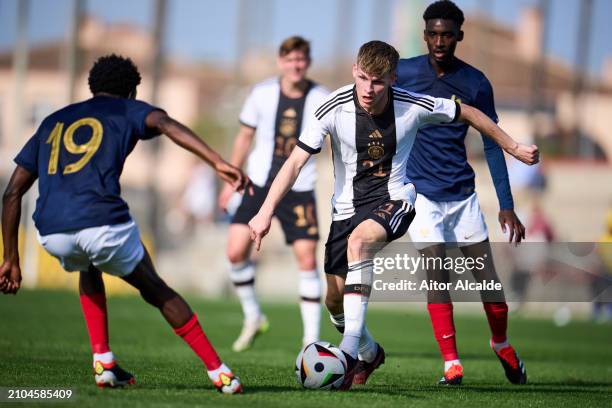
(294,43)
(377,58)
(445,10)
(115,75)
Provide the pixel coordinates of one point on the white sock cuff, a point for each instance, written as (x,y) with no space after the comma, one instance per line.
(358,265)
(449,363)
(498,346)
(360,272)
(105,358)
(310,286)
(214,374)
(337,320)
(242,273)
(353,278)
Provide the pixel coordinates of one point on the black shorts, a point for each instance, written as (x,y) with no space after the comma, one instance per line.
(394,216)
(297,213)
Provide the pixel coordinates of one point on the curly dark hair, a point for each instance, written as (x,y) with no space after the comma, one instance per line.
(115,75)
(445,10)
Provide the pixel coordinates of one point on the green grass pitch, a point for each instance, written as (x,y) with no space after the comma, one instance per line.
(43,343)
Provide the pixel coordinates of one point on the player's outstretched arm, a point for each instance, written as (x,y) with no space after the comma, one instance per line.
(10,273)
(184,137)
(240,151)
(484,124)
(260,224)
(242,145)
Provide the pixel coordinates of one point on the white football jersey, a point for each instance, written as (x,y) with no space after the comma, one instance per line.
(278,121)
(370,152)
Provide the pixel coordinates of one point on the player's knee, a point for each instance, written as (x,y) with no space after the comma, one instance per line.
(236,255)
(307,262)
(356,246)
(150,297)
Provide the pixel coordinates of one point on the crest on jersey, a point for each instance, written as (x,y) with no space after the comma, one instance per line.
(290,113)
(376,150)
(288,125)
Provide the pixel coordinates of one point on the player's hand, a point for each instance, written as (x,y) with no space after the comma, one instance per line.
(225,196)
(259,225)
(509,221)
(10,277)
(527,154)
(232,175)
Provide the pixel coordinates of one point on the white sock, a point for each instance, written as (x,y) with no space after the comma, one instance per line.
(214,374)
(243,277)
(310,304)
(498,346)
(105,358)
(356,295)
(448,364)
(367,346)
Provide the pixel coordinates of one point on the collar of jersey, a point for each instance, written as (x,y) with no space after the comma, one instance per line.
(454,68)
(350,107)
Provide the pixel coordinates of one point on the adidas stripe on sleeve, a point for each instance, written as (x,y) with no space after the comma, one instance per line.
(434,110)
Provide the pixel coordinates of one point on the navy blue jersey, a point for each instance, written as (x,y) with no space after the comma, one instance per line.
(438,163)
(78,154)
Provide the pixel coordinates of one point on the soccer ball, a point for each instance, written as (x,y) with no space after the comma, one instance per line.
(320,366)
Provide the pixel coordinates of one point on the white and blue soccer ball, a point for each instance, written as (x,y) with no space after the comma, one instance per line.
(320,366)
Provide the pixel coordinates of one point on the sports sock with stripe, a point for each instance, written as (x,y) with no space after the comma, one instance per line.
(356,297)
(310,304)
(243,277)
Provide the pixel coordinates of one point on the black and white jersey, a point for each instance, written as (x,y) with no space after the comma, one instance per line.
(370,152)
(278,122)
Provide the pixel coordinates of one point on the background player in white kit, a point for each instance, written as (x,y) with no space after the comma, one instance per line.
(372,128)
(273,116)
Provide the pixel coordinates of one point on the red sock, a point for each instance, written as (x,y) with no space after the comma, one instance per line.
(94,310)
(441,315)
(497,315)
(193,335)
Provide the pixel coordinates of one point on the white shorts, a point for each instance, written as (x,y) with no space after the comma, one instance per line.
(114,249)
(459,222)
